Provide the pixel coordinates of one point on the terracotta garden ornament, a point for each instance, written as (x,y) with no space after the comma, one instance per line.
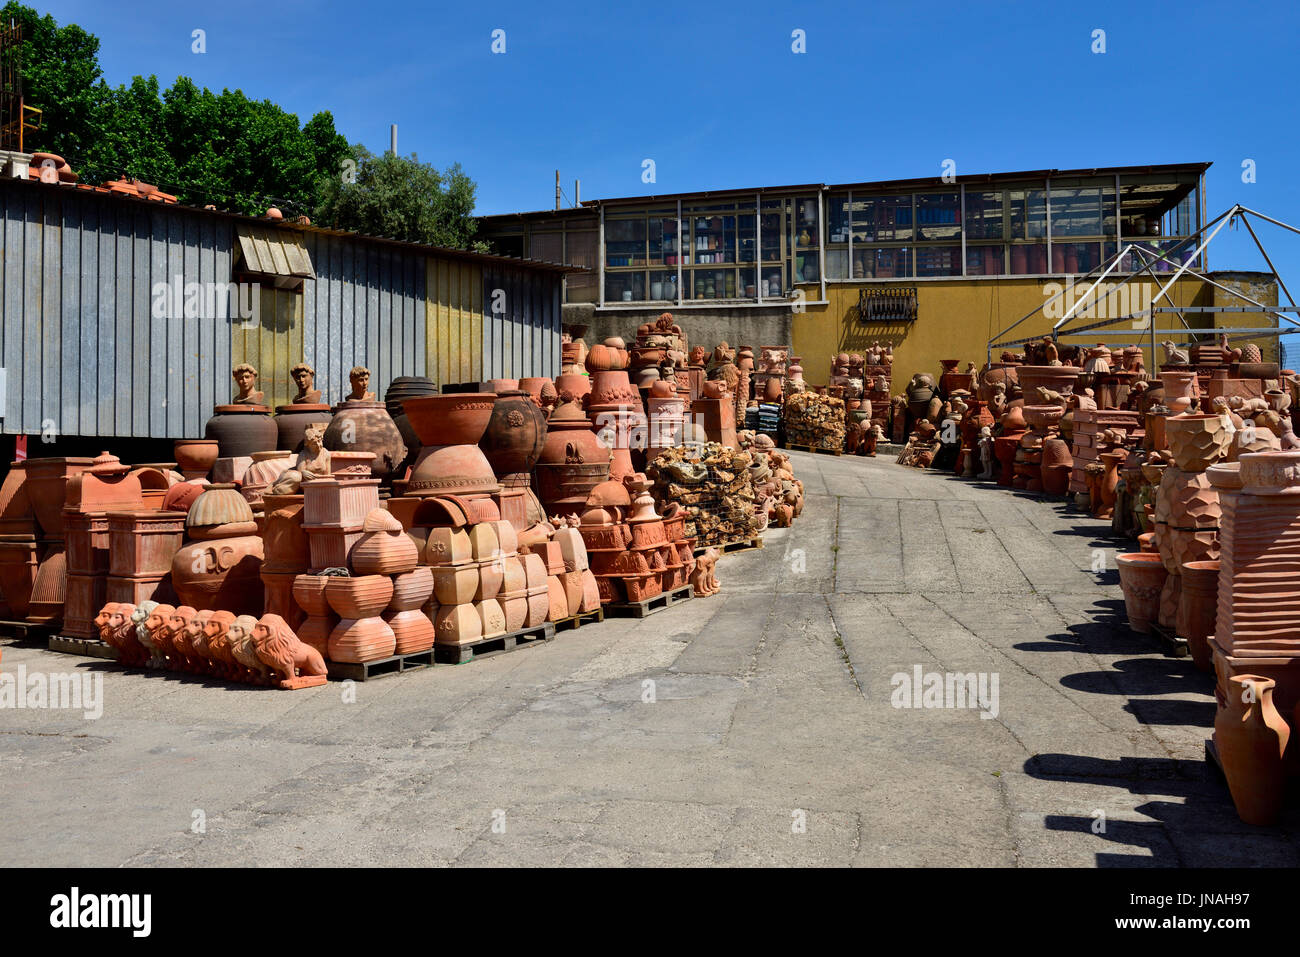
(313,462)
(703,580)
(102,626)
(216,627)
(124,638)
(160,634)
(987,460)
(305,377)
(239,637)
(1173,355)
(245,376)
(296,664)
(360,379)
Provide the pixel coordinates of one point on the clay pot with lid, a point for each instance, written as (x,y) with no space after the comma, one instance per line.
(514,437)
(240,430)
(195,457)
(291,422)
(360,426)
(1251,738)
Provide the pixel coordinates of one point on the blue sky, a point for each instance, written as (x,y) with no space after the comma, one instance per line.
(715,96)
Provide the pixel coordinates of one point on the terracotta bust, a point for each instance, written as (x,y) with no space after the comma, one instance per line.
(313,462)
(360,379)
(305,376)
(245,377)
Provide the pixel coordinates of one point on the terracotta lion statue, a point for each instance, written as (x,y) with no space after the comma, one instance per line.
(298,664)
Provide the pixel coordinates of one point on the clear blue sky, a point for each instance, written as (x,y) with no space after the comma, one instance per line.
(714,94)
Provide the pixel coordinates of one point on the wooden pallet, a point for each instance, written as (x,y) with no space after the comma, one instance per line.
(580,619)
(86,647)
(813,448)
(26,631)
(380,667)
(648,606)
(1175,647)
(486,647)
(737,545)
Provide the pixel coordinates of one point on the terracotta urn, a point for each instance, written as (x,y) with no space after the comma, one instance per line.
(16,514)
(291,422)
(1197,605)
(1108,482)
(239,430)
(360,426)
(452,419)
(1251,737)
(1180,389)
(451,470)
(384,548)
(515,435)
(1142,576)
(195,457)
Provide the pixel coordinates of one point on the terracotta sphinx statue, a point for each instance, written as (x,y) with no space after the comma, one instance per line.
(245,376)
(305,377)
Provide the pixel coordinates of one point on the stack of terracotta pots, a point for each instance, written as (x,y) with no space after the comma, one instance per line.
(221,566)
(399,390)
(47,482)
(1007,445)
(470,566)
(18,548)
(614,406)
(106,486)
(580,589)
(573,460)
(606,537)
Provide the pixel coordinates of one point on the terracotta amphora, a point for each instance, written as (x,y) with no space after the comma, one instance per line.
(1251,738)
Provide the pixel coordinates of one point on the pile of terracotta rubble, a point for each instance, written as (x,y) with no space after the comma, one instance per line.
(1200,465)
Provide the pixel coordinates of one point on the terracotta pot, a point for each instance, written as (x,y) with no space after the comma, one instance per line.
(16,514)
(384,548)
(1197,604)
(49,589)
(1142,576)
(219,512)
(143,543)
(309,593)
(1109,480)
(1196,441)
(400,389)
(360,640)
(240,430)
(448,546)
(454,419)
(182,495)
(412,631)
(266,469)
(492,617)
(457,624)
(223,573)
(1056,378)
(47,485)
(451,469)
(412,589)
(1180,389)
(360,426)
(1056,466)
(364,596)
(195,457)
(515,435)
(291,422)
(1251,739)
(287,550)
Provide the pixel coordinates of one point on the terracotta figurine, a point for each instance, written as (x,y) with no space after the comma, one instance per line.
(295,663)
(313,462)
(360,379)
(305,376)
(245,377)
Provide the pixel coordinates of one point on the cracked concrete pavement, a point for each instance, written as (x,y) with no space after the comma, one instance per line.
(751,728)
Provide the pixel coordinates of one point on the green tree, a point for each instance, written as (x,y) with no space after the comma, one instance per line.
(401,197)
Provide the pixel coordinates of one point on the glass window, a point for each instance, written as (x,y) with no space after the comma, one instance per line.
(837,263)
(663,286)
(624,286)
(580,250)
(837,218)
(807,233)
(662,242)
(938,260)
(713,283)
(1083,211)
(1028,259)
(1028,214)
(713,239)
(892,263)
(883,219)
(625,242)
(937,216)
(1075,258)
(984,209)
(985,260)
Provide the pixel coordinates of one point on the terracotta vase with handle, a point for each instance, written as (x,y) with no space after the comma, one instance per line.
(1251,738)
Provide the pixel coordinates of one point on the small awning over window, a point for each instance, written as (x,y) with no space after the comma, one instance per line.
(275,254)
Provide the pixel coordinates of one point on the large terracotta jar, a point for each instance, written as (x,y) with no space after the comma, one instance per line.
(291,422)
(47,484)
(221,568)
(195,457)
(412,629)
(458,418)
(1196,609)
(16,515)
(514,437)
(240,430)
(400,389)
(1251,737)
(360,426)
(1142,577)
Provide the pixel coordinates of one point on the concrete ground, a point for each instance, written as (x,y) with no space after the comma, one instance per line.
(751,728)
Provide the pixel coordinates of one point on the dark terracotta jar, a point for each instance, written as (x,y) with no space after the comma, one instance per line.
(240,430)
(454,419)
(514,438)
(291,423)
(400,389)
(367,427)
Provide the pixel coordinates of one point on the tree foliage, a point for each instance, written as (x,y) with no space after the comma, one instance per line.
(401,197)
(223,148)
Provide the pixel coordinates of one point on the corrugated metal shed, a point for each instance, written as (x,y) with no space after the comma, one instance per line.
(115,324)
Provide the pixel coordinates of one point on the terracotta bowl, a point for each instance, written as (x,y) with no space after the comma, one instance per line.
(454,419)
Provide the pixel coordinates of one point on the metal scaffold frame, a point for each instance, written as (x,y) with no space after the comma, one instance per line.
(1144,322)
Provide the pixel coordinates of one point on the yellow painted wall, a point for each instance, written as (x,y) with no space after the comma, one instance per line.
(956,320)
(273,344)
(1265,292)
(454,331)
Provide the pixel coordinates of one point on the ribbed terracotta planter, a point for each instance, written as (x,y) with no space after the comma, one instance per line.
(49,590)
(17,575)
(359,597)
(1142,576)
(266,469)
(412,631)
(309,593)
(16,514)
(361,640)
(1197,605)
(384,548)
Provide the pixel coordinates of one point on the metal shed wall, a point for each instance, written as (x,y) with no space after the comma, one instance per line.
(84,355)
